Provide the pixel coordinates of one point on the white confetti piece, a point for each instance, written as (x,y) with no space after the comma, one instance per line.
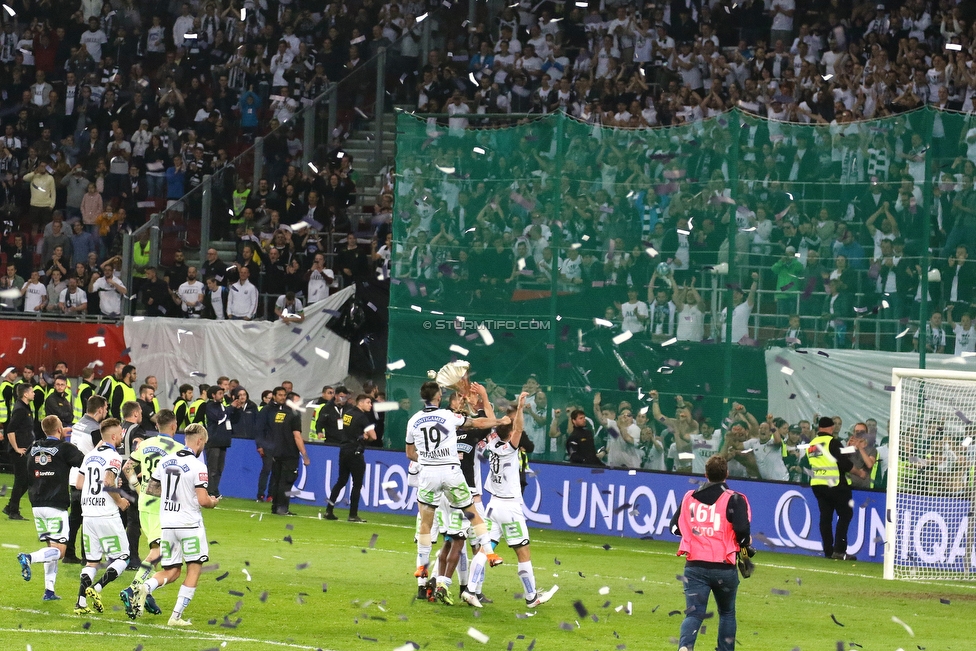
(478,635)
(956,47)
(246,573)
(485,335)
(138,318)
(907,627)
(623,336)
(397,365)
(416,308)
(669,342)
(9,10)
(786,370)
(459,350)
(644,410)
(97,340)
(312,167)
(966,442)
(23,347)
(422,17)
(447,170)
(850,449)
(686,456)
(10,546)
(300,226)
(389,484)
(278,557)
(477,150)
(903,333)
(324,354)
(603,322)
(605,590)
(630,608)
(180,332)
(388,405)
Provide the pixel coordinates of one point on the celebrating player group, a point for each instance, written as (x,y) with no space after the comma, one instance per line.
(444,447)
(165,477)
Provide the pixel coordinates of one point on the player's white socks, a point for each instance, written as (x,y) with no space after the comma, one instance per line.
(423,555)
(50,574)
(462,566)
(476,572)
(45,555)
(151,584)
(87,578)
(183,600)
(528,578)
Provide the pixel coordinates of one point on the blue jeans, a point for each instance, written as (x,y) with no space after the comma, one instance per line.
(698,583)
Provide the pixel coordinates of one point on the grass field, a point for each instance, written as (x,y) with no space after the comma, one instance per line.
(354,596)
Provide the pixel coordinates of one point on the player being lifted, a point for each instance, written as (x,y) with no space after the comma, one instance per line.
(49,468)
(505,507)
(432,441)
(180,480)
(101,504)
(138,471)
(453,555)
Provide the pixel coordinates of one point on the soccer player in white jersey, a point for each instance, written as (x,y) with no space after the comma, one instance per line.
(101,503)
(505,507)
(432,441)
(180,480)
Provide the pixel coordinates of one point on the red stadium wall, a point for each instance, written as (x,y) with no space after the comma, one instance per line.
(48,342)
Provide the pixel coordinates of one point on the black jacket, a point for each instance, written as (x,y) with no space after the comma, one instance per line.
(20,425)
(581,448)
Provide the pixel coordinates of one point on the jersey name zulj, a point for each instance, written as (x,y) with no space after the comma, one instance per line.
(180,475)
(433,432)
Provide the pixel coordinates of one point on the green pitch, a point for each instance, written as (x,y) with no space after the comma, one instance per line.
(329,588)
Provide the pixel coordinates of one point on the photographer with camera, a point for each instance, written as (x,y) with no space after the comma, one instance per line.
(713,523)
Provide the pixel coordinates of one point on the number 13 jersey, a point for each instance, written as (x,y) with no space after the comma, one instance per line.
(433,432)
(95,500)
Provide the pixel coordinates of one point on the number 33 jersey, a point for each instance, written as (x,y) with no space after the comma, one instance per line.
(180,475)
(96,502)
(433,432)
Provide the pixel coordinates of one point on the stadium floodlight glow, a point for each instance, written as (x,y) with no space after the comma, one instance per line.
(928,530)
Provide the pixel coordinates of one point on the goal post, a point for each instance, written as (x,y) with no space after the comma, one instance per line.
(931,490)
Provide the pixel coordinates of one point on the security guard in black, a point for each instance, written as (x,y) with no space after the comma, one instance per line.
(357,428)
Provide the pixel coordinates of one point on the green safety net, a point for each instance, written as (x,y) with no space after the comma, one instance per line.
(492,214)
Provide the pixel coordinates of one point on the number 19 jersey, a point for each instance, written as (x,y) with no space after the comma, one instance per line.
(433,432)
(95,500)
(180,475)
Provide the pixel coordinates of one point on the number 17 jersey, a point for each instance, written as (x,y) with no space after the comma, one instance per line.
(179,476)
(433,432)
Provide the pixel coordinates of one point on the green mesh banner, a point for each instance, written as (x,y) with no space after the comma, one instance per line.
(546,232)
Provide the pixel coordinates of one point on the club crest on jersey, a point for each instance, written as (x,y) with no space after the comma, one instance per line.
(42,459)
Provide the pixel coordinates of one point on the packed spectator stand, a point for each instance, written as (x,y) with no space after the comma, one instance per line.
(144,113)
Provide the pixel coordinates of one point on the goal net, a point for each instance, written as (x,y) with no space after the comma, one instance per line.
(931,478)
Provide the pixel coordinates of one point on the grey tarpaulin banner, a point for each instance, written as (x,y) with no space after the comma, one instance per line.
(261,354)
(852,384)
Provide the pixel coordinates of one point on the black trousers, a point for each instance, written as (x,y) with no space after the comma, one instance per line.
(264,488)
(74,522)
(834,499)
(351,464)
(284,472)
(132,530)
(20,482)
(216,458)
